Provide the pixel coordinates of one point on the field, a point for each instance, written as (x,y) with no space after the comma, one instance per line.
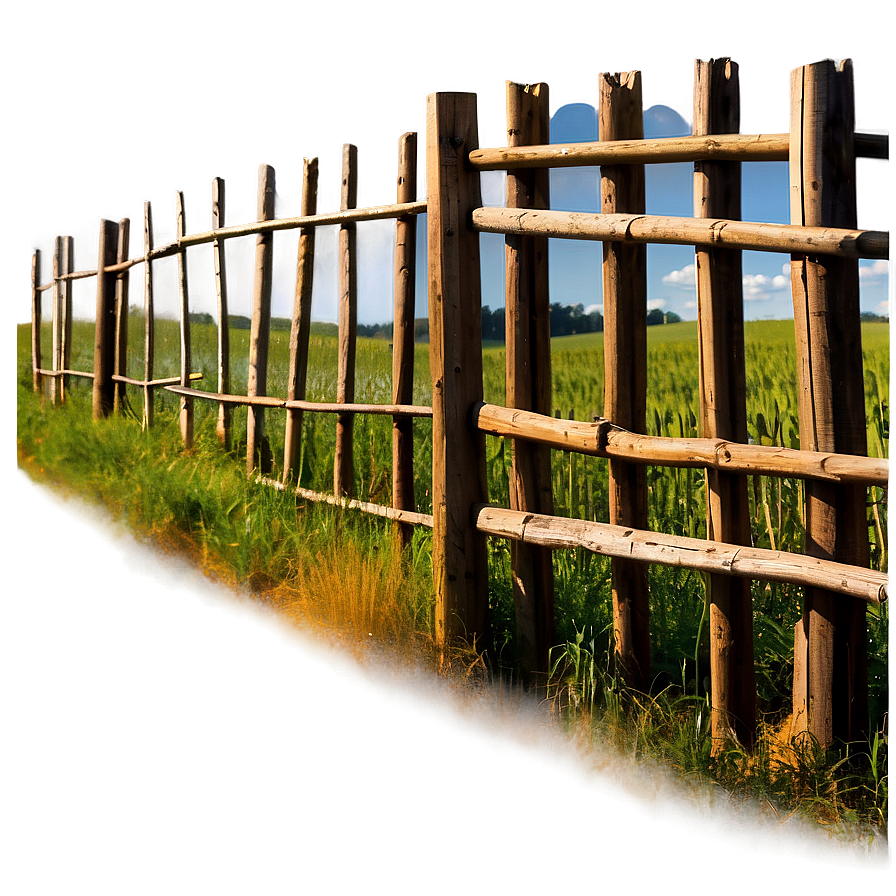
(253,532)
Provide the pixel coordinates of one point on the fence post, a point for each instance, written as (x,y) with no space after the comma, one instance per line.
(343,464)
(68,267)
(35,320)
(460,560)
(723,404)
(149,321)
(224,410)
(257,448)
(528,374)
(104,343)
(830,675)
(403,336)
(121,312)
(56,324)
(186,360)
(297,375)
(620,117)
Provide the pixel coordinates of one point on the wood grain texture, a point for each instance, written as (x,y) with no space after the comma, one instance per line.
(223,426)
(104,341)
(186,353)
(122,282)
(149,322)
(36,358)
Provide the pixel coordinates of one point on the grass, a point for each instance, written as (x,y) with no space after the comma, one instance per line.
(342,573)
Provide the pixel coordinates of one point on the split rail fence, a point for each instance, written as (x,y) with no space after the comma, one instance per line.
(830,661)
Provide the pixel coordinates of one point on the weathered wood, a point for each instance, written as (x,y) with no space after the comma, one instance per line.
(121,314)
(727,147)
(343,464)
(404,297)
(56,322)
(601,438)
(831,396)
(528,375)
(300,331)
(35,321)
(405,517)
(186,354)
(153,384)
(460,563)
(644,547)
(149,322)
(68,265)
(723,408)
(104,342)
(620,117)
(257,447)
(224,413)
(844,242)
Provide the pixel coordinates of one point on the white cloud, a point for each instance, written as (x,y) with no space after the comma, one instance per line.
(690,305)
(883,307)
(879,268)
(653,304)
(592,308)
(687,276)
(757,287)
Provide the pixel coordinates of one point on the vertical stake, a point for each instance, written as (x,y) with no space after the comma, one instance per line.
(35,320)
(104,343)
(149,318)
(186,362)
(121,313)
(224,409)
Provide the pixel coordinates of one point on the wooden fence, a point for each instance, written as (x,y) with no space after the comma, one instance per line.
(830,674)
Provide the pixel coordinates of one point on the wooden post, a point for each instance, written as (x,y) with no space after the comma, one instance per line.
(257,449)
(121,312)
(528,374)
(723,403)
(56,326)
(104,343)
(149,321)
(35,320)
(68,266)
(186,362)
(343,466)
(833,702)
(620,117)
(301,324)
(403,336)
(460,561)
(224,410)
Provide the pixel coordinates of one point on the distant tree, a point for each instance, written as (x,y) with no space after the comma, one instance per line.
(672,318)
(869,317)
(201,317)
(655,316)
(239,322)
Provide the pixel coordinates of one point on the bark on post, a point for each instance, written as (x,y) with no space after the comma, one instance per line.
(224,410)
(57,323)
(723,403)
(149,323)
(68,266)
(258,451)
(832,701)
(121,313)
(35,320)
(343,466)
(403,336)
(186,359)
(460,567)
(104,343)
(528,374)
(301,325)
(620,117)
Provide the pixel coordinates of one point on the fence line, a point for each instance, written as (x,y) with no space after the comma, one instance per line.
(825,248)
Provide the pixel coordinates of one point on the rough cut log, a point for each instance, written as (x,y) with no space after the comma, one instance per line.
(300,330)
(844,242)
(601,438)
(528,376)
(257,448)
(223,426)
(104,343)
(186,362)
(723,408)
(460,561)
(404,275)
(149,338)
(834,703)
(35,321)
(620,116)
(343,464)
(121,314)
(853,582)
(721,147)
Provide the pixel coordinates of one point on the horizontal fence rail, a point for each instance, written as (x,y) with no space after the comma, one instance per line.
(620,228)
(677,550)
(602,438)
(663,150)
